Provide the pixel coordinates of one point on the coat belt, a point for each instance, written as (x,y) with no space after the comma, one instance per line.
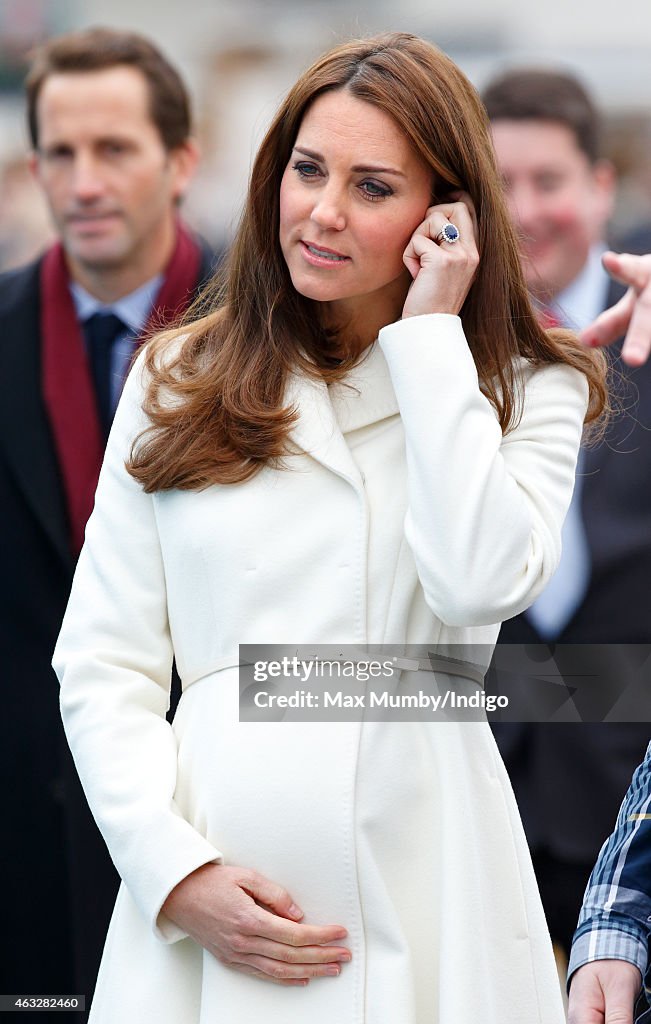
(431,663)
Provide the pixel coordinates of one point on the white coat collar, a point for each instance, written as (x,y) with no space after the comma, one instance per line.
(325,413)
(366,395)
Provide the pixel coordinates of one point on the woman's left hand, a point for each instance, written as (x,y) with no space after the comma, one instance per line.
(442,271)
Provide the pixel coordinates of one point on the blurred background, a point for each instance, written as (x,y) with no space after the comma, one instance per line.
(239,57)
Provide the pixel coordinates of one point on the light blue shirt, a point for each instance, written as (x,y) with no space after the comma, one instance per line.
(575,307)
(586,296)
(133,310)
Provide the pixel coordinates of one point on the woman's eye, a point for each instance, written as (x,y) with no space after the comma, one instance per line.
(373,190)
(306,170)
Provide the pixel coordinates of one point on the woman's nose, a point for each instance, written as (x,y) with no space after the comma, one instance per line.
(329,210)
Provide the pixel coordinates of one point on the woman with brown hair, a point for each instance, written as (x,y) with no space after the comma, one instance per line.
(369,440)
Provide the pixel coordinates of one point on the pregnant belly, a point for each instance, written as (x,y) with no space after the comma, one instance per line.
(278,797)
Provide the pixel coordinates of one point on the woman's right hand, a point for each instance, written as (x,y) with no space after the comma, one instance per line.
(251,924)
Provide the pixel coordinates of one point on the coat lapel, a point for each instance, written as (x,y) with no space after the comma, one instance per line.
(316,431)
(325,413)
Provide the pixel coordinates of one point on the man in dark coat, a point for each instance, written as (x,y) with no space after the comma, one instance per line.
(570,779)
(110,126)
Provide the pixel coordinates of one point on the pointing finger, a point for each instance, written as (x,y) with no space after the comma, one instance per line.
(630,270)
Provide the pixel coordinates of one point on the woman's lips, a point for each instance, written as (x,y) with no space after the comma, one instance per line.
(321,256)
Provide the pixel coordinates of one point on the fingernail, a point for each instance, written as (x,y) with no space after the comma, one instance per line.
(295,911)
(345,958)
(332,969)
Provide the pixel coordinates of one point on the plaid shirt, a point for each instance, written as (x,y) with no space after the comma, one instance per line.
(615,919)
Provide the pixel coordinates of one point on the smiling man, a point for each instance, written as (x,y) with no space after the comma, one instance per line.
(559,191)
(109,120)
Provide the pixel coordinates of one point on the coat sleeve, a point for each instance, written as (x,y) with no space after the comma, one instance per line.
(484,511)
(113,659)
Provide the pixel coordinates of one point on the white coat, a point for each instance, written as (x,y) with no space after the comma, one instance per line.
(405,518)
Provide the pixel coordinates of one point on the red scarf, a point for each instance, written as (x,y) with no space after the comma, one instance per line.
(65,374)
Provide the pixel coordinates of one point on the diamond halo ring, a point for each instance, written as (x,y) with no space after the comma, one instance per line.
(448,233)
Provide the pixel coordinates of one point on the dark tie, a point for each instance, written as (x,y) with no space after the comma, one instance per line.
(100,331)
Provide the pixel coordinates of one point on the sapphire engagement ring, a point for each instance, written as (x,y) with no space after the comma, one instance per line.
(448,233)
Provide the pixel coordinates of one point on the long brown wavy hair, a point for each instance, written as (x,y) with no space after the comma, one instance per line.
(217,385)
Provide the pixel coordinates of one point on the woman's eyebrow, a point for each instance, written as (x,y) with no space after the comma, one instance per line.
(359,168)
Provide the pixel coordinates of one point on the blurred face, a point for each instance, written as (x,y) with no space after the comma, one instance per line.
(109,181)
(558,200)
(352,194)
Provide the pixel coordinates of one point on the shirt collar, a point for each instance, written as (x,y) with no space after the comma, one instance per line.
(132,309)
(585,297)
